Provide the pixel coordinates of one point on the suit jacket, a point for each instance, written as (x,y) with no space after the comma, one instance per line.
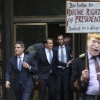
(43,64)
(68,52)
(24,76)
(77,67)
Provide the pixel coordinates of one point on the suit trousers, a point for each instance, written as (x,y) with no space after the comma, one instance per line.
(63,81)
(22,94)
(50,84)
(87,98)
(92,97)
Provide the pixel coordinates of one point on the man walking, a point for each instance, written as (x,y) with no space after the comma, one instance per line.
(63,73)
(22,66)
(47,63)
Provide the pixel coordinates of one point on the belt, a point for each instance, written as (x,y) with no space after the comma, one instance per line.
(63,68)
(93,96)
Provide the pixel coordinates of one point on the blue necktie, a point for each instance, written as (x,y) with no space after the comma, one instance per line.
(50,56)
(62,54)
(20,64)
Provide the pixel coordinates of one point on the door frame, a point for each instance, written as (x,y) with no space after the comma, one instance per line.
(45,24)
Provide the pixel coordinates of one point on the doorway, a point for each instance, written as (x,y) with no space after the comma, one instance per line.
(30,33)
(54,29)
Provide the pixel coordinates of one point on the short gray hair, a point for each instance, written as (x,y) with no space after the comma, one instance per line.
(21,44)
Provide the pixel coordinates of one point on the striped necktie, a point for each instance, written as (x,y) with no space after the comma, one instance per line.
(50,56)
(20,64)
(97,67)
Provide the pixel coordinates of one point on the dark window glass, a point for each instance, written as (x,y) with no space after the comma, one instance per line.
(30,34)
(39,7)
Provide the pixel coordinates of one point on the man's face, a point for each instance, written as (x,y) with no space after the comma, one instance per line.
(19,50)
(93,46)
(67,41)
(60,40)
(49,44)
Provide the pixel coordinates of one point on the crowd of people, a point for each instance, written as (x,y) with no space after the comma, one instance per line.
(57,70)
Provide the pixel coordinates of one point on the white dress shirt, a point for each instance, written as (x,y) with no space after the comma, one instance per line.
(93,87)
(47,55)
(21,57)
(59,55)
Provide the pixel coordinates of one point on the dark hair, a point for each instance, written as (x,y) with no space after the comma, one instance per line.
(21,44)
(46,40)
(60,35)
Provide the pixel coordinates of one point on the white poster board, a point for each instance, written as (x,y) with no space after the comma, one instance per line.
(82,17)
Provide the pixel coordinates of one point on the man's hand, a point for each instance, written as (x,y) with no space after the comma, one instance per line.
(36,83)
(69,62)
(71,54)
(84,75)
(26,65)
(7,85)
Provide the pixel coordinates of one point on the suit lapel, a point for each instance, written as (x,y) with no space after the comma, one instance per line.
(15,61)
(67,53)
(25,57)
(99,56)
(44,55)
(53,55)
(57,48)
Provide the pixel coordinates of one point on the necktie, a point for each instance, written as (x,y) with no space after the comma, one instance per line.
(97,70)
(62,54)
(50,56)
(20,64)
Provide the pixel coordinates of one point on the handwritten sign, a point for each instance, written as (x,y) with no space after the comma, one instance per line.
(82,17)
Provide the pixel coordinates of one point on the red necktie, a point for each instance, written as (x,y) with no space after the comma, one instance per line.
(97,70)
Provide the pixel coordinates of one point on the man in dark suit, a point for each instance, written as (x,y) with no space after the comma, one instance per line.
(63,73)
(22,66)
(47,63)
(85,80)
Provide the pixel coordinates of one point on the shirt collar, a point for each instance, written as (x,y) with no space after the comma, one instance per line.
(47,49)
(90,56)
(22,56)
(62,46)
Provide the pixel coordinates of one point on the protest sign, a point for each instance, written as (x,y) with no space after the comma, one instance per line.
(82,17)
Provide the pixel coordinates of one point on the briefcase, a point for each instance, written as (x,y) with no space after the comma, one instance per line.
(38,86)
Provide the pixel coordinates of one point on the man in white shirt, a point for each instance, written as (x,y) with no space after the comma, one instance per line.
(63,73)
(22,66)
(47,63)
